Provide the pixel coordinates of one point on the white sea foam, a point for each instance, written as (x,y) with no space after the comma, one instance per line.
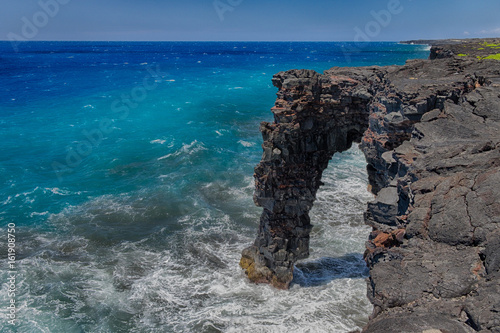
(7,201)
(29,197)
(58,191)
(186,149)
(189,280)
(33,214)
(164,157)
(246,143)
(160,141)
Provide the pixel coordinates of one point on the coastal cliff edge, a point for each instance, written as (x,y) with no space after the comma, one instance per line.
(430,131)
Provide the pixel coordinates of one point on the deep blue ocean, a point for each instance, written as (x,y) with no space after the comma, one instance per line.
(127,170)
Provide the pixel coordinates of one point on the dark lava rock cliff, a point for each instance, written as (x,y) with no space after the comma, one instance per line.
(430,131)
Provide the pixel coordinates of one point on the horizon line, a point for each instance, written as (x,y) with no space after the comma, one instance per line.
(207,41)
(248,41)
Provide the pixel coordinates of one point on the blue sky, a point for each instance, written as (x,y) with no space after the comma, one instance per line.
(260,20)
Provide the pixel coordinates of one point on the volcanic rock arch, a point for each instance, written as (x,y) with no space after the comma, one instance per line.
(315,116)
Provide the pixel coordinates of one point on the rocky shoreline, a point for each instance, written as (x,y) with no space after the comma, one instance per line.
(430,131)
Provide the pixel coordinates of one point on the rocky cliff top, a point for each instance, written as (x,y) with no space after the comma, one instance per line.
(479,48)
(430,131)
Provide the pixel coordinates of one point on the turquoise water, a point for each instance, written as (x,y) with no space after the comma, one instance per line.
(127,171)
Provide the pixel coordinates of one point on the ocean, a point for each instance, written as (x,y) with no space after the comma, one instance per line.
(126,183)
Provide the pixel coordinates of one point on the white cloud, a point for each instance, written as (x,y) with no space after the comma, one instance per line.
(495,31)
(466,33)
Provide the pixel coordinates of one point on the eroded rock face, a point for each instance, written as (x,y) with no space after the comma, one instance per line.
(446,180)
(315,116)
(430,131)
